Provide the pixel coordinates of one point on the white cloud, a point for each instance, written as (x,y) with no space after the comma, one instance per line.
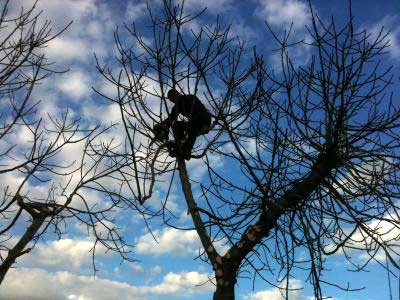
(67,49)
(393,36)
(184,283)
(12,180)
(59,10)
(135,10)
(197,167)
(106,113)
(247,145)
(384,231)
(75,84)
(295,292)
(244,32)
(91,30)
(157,201)
(284,12)
(147,273)
(170,240)
(64,254)
(174,241)
(213,6)
(281,14)
(394,40)
(38,284)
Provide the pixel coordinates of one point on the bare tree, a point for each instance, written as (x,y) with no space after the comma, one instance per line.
(39,157)
(313,147)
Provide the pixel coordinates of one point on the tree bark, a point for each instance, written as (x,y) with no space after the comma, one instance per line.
(226,267)
(299,192)
(19,248)
(225,292)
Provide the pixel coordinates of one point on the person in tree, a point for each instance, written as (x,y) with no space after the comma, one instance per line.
(198,122)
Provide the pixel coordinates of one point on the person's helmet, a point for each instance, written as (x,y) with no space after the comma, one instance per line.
(173,95)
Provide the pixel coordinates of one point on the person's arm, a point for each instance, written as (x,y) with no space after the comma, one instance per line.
(171,118)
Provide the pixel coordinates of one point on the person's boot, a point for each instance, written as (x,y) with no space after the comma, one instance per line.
(186,152)
(171,148)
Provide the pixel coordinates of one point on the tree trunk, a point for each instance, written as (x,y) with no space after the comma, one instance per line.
(19,248)
(225,292)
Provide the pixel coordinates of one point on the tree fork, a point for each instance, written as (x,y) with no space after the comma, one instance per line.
(19,248)
(226,275)
(212,253)
(300,191)
(226,267)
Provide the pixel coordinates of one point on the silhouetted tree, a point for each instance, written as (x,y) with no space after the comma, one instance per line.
(310,152)
(38,157)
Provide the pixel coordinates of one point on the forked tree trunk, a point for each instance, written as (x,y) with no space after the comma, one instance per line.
(20,248)
(225,292)
(225,276)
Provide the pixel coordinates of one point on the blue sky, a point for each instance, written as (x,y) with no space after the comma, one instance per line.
(62,269)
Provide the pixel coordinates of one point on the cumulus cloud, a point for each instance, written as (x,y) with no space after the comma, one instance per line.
(376,234)
(170,240)
(283,13)
(51,8)
(147,273)
(242,31)
(135,10)
(184,283)
(138,9)
(213,6)
(174,241)
(393,36)
(38,284)
(108,113)
(67,49)
(75,85)
(385,232)
(198,169)
(12,181)
(64,254)
(279,293)
(394,40)
(66,9)
(91,32)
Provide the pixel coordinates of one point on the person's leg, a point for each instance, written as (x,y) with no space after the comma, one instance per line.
(198,126)
(160,133)
(187,147)
(171,148)
(179,130)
